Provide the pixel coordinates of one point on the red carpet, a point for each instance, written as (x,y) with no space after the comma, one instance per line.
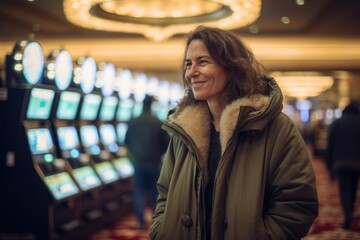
(326,227)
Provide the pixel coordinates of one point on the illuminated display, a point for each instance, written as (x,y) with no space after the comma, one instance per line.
(40,103)
(68,105)
(32,61)
(107,134)
(88,75)
(125,109)
(106,172)
(137,109)
(89,135)
(61,185)
(90,107)
(40,140)
(86,178)
(121,129)
(108,79)
(68,138)
(125,84)
(63,70)
(124,167)
(108,108)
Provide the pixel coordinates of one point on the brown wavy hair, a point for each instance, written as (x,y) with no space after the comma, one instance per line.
(244,72)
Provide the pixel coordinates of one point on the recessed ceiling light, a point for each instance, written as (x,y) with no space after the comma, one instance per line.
(285,20)
(300,2)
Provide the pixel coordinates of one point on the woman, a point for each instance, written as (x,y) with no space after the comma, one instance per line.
(236,166)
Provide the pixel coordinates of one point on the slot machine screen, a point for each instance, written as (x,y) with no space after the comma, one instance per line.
(40,140)
(137,109)
(40,103)
(90,107)
(160,111)
(121,129)
(125,109)
(61,185)
(106,172)
(68,105)
(86,177)
(107,134)
(68,138)
(124,167)
(108,108)
(89,135)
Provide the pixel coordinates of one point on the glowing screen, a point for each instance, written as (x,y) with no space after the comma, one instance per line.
(107,134)
(61,185)
(68,105)
(40,140)
(124,167)
(125,109)
(68,138)
(86,178)
(108,108)
(121,129)
(106,172)
(40,103)
(89,135)
(90,107)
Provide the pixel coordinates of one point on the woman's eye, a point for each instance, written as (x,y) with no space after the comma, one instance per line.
(187,65)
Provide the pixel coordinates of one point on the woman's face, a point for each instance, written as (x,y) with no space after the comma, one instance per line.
(206,78)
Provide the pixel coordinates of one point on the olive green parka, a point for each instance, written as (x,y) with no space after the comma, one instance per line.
(264,185)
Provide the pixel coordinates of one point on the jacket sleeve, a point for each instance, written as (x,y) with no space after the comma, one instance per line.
(291,184)
(163,187)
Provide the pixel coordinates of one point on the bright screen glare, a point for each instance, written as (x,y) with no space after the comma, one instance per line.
(68,138)
(89,135)
(40,103)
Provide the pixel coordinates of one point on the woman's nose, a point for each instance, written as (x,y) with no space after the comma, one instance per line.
(192,70)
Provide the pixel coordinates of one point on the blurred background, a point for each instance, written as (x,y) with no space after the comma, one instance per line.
(311,48)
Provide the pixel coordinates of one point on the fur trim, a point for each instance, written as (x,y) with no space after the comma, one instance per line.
(230,115)
(196,121)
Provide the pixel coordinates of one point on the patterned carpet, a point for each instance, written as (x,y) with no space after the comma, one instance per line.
(328,226)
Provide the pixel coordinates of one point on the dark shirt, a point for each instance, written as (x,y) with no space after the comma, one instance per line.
(213,161)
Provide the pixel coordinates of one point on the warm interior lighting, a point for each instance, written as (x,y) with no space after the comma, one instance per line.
(302,85)
(160,19)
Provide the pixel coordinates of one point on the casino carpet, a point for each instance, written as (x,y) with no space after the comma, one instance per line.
(326,227)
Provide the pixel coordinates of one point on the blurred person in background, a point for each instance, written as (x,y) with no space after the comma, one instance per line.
(147,143)
(343,157)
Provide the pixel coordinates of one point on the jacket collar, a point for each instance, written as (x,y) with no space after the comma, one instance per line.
(251,114)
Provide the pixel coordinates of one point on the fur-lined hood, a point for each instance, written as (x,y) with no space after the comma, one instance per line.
(251,114)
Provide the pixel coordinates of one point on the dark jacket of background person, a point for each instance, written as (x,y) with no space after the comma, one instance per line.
(343,158)
(343,151)
(145,139)
(265,183)
(147,143)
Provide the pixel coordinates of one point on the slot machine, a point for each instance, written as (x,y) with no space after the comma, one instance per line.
(139,92)
(59,72)
(40,197)
(160,107)
(123,115)
(108,138)
(90,142)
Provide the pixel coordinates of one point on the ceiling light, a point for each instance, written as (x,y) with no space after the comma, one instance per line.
(160,19)
(302,85)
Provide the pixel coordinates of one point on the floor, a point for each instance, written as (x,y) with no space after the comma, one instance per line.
(328,225)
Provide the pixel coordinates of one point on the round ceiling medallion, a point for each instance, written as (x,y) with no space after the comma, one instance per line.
(160,19)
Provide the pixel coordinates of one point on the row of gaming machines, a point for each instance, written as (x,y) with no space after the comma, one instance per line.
(64,167)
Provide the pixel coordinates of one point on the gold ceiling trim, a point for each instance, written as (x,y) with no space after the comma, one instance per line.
(160,8)
(235,14)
